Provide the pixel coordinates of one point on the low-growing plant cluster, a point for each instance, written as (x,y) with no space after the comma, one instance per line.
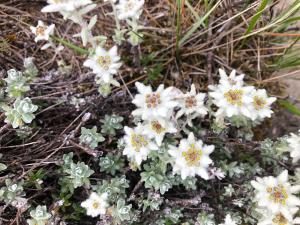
(176,157)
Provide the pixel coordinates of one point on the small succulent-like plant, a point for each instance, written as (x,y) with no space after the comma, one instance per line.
(16,83)
(11,191)
(90,137)
(22,112)
(39,216)
(115,188)
(30,70)
(79,174)
(121,212)
(111,123)
(111,163)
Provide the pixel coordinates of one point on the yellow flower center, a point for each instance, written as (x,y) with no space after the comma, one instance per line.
(278,194)
(190,102)
(104,61)
(259,102)
(153,100)
(280,219)
(157,127)
(138,141)
(96,205)
(192,155)
(40,31)
(234,97)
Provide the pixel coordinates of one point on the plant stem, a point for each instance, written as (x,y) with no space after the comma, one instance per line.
(71,45)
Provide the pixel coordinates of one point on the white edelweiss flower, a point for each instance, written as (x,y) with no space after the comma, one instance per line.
(261,104)
(104,63)
(129,9)
(64,5)
(192,103)
(153,104)
(42,32)
(277,195)
(138,145)
(294,146)
(95,204)
(232,79)
(277,219)
(157,128)
(228,220)
(191,157)
(232,100)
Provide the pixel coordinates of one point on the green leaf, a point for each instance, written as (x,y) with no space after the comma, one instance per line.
(290,107)
(256,17)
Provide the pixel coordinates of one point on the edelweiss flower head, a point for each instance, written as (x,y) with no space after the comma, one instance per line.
(191,157)
(138,145)
(157,128)
(232,100)
(261,104)
(104,63)
(192,103)
(64,5)
(153,104)
(276,194)
(129,9)
(228,220)
(277,219)
(232,79)
(42,32)
(95,204)
(294,146)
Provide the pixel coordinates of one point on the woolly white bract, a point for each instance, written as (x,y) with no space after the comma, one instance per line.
(191,157)
(277,219)
(104,63)
(153,104)
(228,220)
(42,31)
(276,195)
(294,146)
(157,128)
(192,104)
(138,145)
(235,99)
(96,204)
(260,107)
(127,9)
(64,5)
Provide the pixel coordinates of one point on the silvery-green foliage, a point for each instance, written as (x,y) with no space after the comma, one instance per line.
(115,188)
(205,219)
(16,83)
(154,177)
(170,216)
(77,174)
(119,36)
(229,190)
(232,169)
(121,212)
(39,216)
(153,202)
(2,165)
(90,137)
(30,70)
(24,132)
(111,123)
(111,163)
(11,191)
(104,89)
(21,112)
